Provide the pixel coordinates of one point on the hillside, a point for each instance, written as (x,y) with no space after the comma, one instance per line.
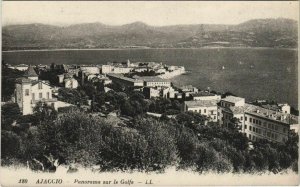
(253,33)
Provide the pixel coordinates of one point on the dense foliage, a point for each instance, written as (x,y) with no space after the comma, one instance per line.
(138,142)
(8,77)
(144,144)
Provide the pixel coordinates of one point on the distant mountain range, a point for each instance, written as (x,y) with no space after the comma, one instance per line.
(278,33)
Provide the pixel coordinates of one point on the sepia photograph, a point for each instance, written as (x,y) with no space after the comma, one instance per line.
(149,93)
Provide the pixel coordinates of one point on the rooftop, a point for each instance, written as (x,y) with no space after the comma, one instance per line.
(150,79)
(33,82)
(120,76)
(30,72)
(263,112)
(232,99)
(201,103)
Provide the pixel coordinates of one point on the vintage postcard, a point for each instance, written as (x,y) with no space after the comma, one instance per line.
(149,93)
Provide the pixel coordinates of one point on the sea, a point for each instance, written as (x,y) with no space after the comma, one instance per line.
(253,73)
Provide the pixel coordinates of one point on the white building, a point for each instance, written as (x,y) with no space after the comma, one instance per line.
(205,96)
(122,70)
(153,81)
(256,122)
(207,108)
(232,101)
(20,67)
(153,92)
(90,69)
(285,108)
(106,69)
(68,81)
(126,81)
(30,90)
(71,83)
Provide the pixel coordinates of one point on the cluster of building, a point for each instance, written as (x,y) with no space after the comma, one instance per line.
(162,71)
(257,122)
(30,90)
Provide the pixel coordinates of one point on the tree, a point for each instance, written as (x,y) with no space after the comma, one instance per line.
(43,112)
(9,113)
(10,144)
(162,151)
(9,77)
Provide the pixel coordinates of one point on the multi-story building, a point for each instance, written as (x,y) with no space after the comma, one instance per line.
(165,92)
(126,81)
(207,108)
(71,83)
(116,68)
(153,81)
(188,90)
(232,101)
(256,122)
(30,90)
(151,92)
(20,67)
(205,96)
(91,69)
(67,80)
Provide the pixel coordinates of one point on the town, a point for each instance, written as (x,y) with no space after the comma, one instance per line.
(43,83)
(129,116)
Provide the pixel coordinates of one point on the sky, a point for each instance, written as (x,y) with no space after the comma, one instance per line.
(156,13)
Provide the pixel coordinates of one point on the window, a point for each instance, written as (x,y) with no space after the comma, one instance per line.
(251,120)
(245,118)
(40,86)
(200,111)
(211,112)
(250,136)
(27,92)
(33,96)
(204,110)
(283,129)
(40,95)
(276,127)
(241,117)
(245,126)
(250,128)
(258,131)
(259,122)
(269,125)
(214,117)
(48,95)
